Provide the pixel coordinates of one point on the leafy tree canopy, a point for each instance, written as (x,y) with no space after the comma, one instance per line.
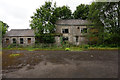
(81,12)
(3,27)
(44,20)
(105,19)
(63,12)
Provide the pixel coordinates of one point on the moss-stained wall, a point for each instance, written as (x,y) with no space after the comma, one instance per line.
(73,32)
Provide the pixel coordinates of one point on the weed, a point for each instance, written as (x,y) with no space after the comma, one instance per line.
(14,55)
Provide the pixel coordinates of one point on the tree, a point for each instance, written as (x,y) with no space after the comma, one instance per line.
(3,27)
(81,12)
(43,23)
(63,12)
(105,19)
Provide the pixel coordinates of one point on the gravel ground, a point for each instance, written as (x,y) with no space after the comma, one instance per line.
(60,64)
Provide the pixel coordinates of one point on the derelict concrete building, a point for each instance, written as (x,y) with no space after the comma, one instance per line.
(73,30)
(22,37)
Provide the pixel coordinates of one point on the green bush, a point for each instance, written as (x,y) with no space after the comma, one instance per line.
(85,46)
(113,45)
(13,45)
(42,45)
(80,46)
(67,49)
(102,45)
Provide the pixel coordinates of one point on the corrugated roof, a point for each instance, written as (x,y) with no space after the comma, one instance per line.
(71,22)
(20,32)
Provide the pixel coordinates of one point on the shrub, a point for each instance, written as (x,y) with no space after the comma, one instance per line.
(67,49)
(113,45)
(85,46)
(14,45)
(101,45)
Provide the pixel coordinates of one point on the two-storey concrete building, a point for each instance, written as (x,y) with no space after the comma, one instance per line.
(73,31)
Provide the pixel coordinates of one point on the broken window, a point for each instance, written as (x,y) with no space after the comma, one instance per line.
(65,38)
(65,31)
(84,30)
(14,41)
(7,40)
(76,38)
(21,40)
(29,40)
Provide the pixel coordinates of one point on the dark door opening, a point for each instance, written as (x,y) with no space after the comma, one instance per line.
(65,40)
(7,41)
(77,38)
(14,41)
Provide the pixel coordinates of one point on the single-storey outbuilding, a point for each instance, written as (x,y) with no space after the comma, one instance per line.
(19,36)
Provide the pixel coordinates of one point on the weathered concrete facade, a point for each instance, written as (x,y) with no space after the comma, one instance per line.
(74,31)
(25,40)
(22,37)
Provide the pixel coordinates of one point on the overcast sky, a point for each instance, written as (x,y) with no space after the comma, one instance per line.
(16,13)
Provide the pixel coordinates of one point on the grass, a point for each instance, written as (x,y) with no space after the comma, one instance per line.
(102,48)
(53,49)
(34,49)
(72,48)
(76,49)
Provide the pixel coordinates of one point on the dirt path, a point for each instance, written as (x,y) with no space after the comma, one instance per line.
(60,64)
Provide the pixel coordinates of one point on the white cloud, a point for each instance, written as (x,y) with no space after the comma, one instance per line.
(16,13)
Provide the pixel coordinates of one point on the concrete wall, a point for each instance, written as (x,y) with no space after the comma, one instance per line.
(25,41)
(57,40)
(73,32)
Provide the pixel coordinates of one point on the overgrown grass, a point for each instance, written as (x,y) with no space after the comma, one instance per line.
(34,49)
(76,49)
(103,48)
(66,48)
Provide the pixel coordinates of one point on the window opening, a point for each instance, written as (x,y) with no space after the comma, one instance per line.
(65,31)
(21,40)
(76,38)
(84,30)
(14,41)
